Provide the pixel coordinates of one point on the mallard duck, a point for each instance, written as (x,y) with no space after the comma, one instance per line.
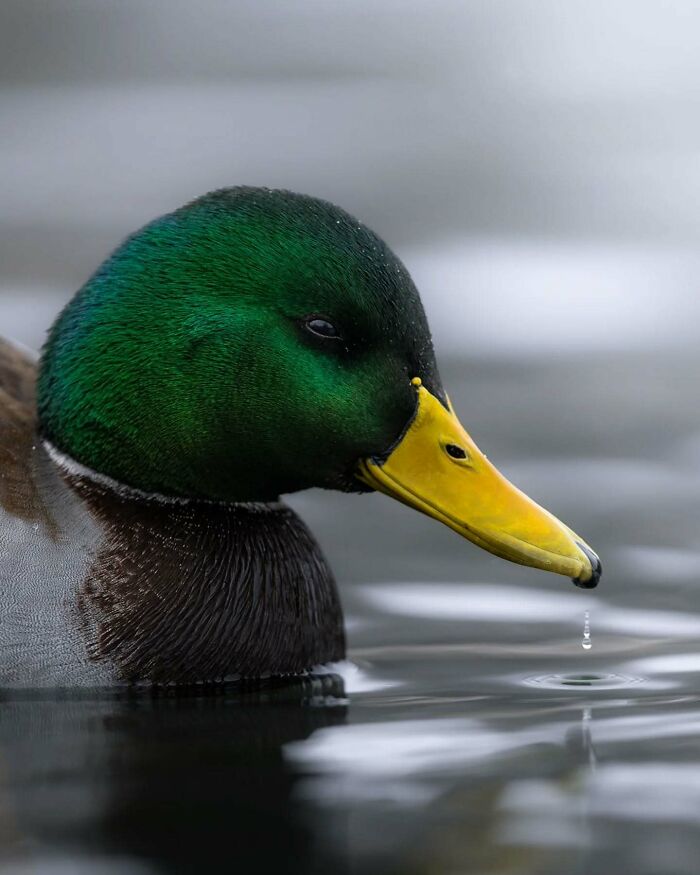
(250,344)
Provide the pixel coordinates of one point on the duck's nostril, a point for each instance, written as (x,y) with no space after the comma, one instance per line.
(455,451)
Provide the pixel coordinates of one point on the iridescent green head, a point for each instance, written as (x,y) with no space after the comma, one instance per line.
(257,342)
(251,343)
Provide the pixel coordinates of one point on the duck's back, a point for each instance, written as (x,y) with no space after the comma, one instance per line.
(99,587)
(45,540)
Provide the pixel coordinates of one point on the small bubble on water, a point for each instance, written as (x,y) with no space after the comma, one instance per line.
(586,643)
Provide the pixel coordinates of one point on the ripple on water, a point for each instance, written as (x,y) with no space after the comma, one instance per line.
(584,681)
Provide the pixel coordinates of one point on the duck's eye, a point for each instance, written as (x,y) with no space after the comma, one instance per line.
(455,451)
(322,327)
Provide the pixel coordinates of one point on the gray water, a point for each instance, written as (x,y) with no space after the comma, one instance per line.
(469,732)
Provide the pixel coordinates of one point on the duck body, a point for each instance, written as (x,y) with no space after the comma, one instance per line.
(103,586)
(250,344)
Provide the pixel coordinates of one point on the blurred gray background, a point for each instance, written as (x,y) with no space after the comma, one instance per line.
(535,163)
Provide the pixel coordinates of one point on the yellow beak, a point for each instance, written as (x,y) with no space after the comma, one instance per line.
(438,469)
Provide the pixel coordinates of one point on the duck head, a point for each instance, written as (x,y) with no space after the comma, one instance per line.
(259,342)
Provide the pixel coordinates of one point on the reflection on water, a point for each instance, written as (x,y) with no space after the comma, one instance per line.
(166,785)
(469,731)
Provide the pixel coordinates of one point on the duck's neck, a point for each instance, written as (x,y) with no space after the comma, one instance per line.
(182,592)
(75,470)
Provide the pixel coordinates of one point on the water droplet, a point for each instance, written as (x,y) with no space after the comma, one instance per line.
(586,643)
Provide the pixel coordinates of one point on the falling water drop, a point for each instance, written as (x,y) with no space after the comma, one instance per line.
(586,643)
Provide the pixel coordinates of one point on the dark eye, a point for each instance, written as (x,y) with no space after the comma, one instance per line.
(322,327)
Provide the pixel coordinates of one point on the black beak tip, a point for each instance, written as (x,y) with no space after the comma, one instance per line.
(592,581)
